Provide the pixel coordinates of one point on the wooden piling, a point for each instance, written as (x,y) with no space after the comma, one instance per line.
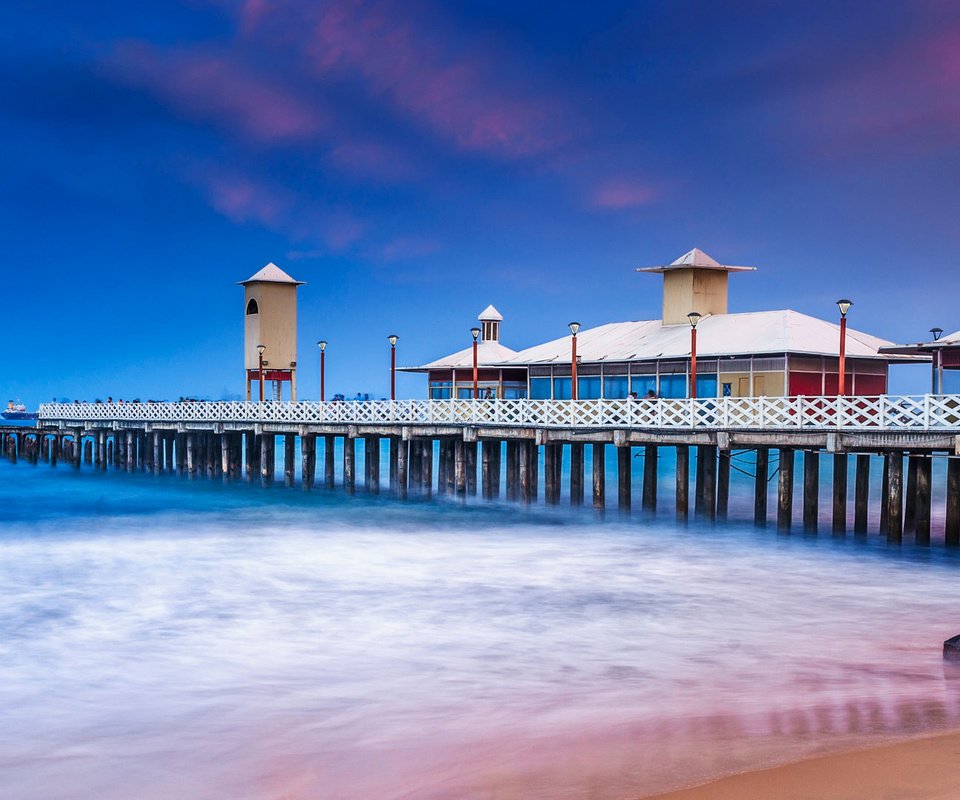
(268,466)
(699,495)
(329,460)
(884,494)
(523,462)
(922,518)
(576,474)
(131,452)
(427,472)
(624,478)
(910,496)
(470,456)
(371,457)
(785,490)
(599,456)
(895,498)
(394,450)
(403,452)
(648,500)
(683,482)
(760,483)
(723,484)
(289,459)
(308,457)
(534,470)
(460,467)
(551,493)
(839,494)
(485,459)
(709,453)
(513,469)
(349,463)
(168,441)
(811,491)
(951,529)
(191,456)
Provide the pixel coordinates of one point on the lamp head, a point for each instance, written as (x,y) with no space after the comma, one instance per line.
(694,317)
(393,339)
(475,333)
(937,333)
(260,349)
(574,328)
(322,344)
(844,306)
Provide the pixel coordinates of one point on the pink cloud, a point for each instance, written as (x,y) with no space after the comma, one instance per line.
(219,89)
(459,94)
(242,199)
(408,247)
(371,160)
(619,194)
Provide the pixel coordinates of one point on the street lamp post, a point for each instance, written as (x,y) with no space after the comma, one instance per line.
(694,318)
(844,306)
(475,332)
(574,328)
(937,367)
(260,349)
(393,338)
(322,344)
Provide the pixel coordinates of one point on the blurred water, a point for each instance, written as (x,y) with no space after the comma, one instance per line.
(162,638)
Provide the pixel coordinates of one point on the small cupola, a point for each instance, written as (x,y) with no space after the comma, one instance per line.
(490,320)
(694,282)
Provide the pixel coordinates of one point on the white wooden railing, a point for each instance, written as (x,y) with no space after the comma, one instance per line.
(923,412)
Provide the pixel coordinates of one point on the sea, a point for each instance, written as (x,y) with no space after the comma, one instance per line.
(163,638)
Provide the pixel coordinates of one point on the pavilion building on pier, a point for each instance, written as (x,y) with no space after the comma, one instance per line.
(944,354)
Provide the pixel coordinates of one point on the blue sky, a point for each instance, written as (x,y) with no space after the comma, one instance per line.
(414,161)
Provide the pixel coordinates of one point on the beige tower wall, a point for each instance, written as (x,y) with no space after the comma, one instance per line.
(275,326)
(686,290)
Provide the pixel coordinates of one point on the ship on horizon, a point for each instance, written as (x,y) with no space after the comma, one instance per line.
(17,411)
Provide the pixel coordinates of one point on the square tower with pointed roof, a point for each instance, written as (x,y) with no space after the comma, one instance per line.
(270,321)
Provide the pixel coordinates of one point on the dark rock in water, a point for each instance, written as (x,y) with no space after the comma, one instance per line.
(951,649)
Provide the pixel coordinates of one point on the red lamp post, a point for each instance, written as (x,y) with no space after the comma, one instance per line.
(392,338)
(475,332)
(574,328)
(844,306)
(322,344)
(694,318)
(260,349)
(937,367)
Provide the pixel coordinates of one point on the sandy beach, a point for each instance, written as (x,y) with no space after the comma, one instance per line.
(921,769)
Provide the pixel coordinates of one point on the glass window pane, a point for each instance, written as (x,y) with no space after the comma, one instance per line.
(616,387)
(539,388)
(951,381)
(706,385)
(588,388)
(644,384)
(673,386)
(562,388)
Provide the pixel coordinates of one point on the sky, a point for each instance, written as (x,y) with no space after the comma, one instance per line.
(413,161)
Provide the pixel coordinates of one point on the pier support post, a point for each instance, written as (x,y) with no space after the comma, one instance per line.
(648,500)
(131,452)
(416,466)
(394,450)
(699,496)
(249,446)
(550,493)
(486,457)
(443,453)
(683,482)
(861,495)
(460,467)
(811,491)
(157,453)
(895,497)
(54,451)
(87,451)
(839,494)
(884,494)
(910,500)
(598,457)
(191,456)
(403,451)
(289,457)
(427,484)
(268,442)
(371,468)
(349,463)
(785,490)
(723,484)
(922,520)
(168,452)
(576,474)
(470,457)
(624,478)
(524,455)
(951,529)
(709,453)
(534,470)
(513,469)
(329,460)
(308,456)
(760,482)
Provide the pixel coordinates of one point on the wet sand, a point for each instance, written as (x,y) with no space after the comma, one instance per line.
(920,769)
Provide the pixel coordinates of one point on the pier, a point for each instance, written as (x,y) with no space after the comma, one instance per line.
(488,447)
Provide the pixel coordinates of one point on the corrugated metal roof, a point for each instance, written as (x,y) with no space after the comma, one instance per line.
(950,340)
(488,354)
(720,335)
(271,274)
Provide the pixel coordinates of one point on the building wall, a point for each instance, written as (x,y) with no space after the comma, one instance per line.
(275,326)
(686,290)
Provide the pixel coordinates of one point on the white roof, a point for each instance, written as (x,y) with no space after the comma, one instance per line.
(490,314)
(720,335)
(950,340)
(271,274)
(488,353)
(695,258)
